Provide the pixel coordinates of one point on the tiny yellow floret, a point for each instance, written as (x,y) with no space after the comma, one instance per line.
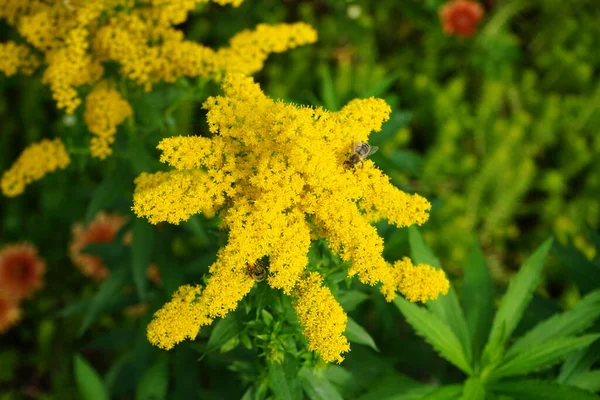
(34,162)
(422,282)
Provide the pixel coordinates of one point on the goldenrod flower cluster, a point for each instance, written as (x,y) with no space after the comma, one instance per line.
(105,109)
(34,162)
(276,175)
(17,58)
(78,37)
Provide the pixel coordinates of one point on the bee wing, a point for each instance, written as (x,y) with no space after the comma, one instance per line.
(372,151)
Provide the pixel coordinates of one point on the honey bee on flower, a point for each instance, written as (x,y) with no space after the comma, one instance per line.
(257,271)
(360,152)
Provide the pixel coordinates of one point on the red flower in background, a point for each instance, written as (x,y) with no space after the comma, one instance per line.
(21,271)
(461,17)
(9,313)
(102,229)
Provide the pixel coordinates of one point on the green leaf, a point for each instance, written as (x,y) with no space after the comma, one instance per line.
(104,297)
(104,195)
(518,295)
(328,93)
(393,386)
(446,308)
(155,381)
(351,299)
(579,363)
(382,87)
(569,323)
(541,356)
(317,387)
(473,389)
(89,383)
(531,389)
(478,299)
(451,392)
(357,334)
(284,381)
(583,271)
(224,330)
(436,332)
(143,238)
(589,381)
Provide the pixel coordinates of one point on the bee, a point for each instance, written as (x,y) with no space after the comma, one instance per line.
(257,271)
(361,151)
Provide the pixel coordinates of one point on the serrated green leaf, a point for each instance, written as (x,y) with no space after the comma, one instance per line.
(473,389)
(532,389)
(579,363)
(450,392)
(89,383)
(589,381)
(284,382)
(141,253)
(478,300)
(569,323)
(104,296)
(154,383)
(541,356)
(583,271)
(316,386)
(223,331)
(436,332)
(519,294)
(357,334)
(446,308)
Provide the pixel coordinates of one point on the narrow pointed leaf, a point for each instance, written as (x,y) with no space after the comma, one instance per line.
(317,387)
(542,356)
(478,300)
(569,323)
(579,363)
(284,385)
(532,389)
(103,298)
(89,383)
(473,389)
(143,237)
(357,334)
(436,332)
(446,308)
(583,271)
(589,381)
(224,330)
(519,294)
(451,392)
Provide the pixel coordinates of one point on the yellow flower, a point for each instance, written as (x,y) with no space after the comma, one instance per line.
(276,175)
(16,57)
(105,109)
(322,318)
(34,162)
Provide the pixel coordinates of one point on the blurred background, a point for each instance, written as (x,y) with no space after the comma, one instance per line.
(498,128)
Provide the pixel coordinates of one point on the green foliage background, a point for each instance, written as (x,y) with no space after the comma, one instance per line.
(500,131)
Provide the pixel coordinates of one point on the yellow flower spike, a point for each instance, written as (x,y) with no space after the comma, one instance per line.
(322,317)
(420,283)
(276,175)
(34,162)
(179,319)
(17,58)
(175,196)
(105,109)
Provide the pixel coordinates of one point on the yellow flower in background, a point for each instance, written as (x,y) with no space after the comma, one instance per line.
(78,37)
(105,109)
(17,58)
(34,162)
(277,175)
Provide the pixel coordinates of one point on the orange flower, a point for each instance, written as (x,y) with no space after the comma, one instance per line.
(102,229)
(9,313)
(153,274)
(460,17)
(21,271)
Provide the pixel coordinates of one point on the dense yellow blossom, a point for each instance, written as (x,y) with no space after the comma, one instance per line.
(17,57)
(105,109)
(275,174)
(78,37)
(34,162)
(323,319)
